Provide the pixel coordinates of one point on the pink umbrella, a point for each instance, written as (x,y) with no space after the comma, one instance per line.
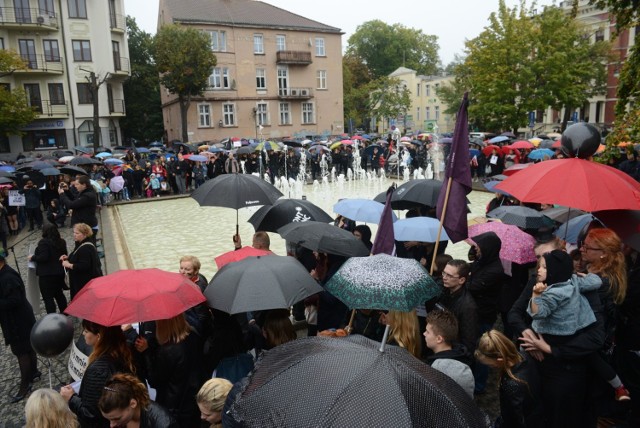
(358,137)
(405,139)
(521,145)
(517,246)
(116,184)
(346,142)
(516,168)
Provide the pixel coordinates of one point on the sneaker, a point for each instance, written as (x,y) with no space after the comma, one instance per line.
(622,394)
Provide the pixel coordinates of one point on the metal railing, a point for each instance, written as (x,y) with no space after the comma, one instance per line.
(116,106)
(54,109)
(27,16)
(117,22)
(42,63)
(293,57)
(120,64)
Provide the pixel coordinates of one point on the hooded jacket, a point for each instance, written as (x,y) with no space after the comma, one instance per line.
(487,277)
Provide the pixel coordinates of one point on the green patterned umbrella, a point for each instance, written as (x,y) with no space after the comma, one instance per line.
(382,282)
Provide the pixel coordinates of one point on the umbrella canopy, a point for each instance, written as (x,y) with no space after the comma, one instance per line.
(260,283)
(489,150)
(513,169)
(522,144)
(562,214)
(369,149)
(270,218)
(499,139)
(24,160)
(6,180)
(364,210)
(116,184)
(81,160)
(382,281)
(49,172)
(421,229)
(104,155)
(541,154)
(508,134)
(198,158)
(575,183)
(129,296)
(319,148)
(413,193)
(323,238)
(361,387)
(73,170)
(66,159)
(113,161)
(40,165)
(267,145)
(491,186)
(517,246)
(7,168)
(236,191)
(523,217)
(142,150)
(241,254)
(7,174)
(570,231)
(625,223)
(546,144)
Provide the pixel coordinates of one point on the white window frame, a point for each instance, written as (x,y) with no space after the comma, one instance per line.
(320,47)
(228,114)
(418,114)
(308,113)
(204,116)
(418,89)
(427,90)
(427,113)
(218,40)
(321,79)
(437,112)
(261,75)
(262,114)
(219,78)
(285,113)
(281,42)
(258,43)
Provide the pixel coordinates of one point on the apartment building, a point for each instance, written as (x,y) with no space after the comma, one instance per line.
(278,74)
(65,43)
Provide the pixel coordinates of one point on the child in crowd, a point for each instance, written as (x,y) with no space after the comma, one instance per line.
(450,358)
(558,307)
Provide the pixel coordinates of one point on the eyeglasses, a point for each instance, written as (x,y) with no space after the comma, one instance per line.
(591,248)
(448,275)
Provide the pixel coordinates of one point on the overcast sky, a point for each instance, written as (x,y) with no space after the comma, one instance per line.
(453,21)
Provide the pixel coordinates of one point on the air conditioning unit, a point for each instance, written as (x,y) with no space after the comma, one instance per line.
(304,92)
(293,92)
(40,20)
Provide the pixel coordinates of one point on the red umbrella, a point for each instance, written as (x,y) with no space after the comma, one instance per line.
(489,149)
(516,168)
(136,295)
(521,145)
(358,137)
(557,144)
(237,255)
(575,183)
(346,142)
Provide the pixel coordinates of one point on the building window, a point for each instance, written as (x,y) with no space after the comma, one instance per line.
(418,112)
(228,114)
(33,95)
(1,43)
(600,36)
(307,113)
(218,41)
(56,94)
(427,90)
(320,46)
(258,44)
(261,78)
(81,50)
(418,90)
(285,114)
(321,79)
(204,116)
(219,78)
(51,50)
(84,93)
(46,7)
(78,9)
(281,42)
(436,87)
(427,113)
(437,110)
(115,50)
(262,114)
(28,52)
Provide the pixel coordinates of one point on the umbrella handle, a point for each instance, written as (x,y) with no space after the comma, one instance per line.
(349,327)
(384,338)
(237,227)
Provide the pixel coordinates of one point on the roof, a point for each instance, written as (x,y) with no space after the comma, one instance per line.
(241,13)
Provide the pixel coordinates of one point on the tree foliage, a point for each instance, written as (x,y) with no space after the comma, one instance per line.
(384,48)
(142,90)
(184,59)
(388,98)
(356,78)
(15,111)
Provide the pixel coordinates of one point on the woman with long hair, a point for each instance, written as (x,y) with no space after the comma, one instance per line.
(45,408)
(602,251)
(211,399)
(83,264)
(110,355)
(125,402)
(48,268)
(404,330)
(173,368)
(519,384)
(277,328)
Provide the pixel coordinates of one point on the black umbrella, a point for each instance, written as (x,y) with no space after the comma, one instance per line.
(8,157)
(24,161)
(86,150)
(7,174)
(35,176)
(62,153)
(562,214)
(347,382)
(414,193)
(245,150)
(324,238)
(291,143)
(270,218)
(236,191)
(48,172)
(523,217)
(73,170)
(260,283)
(81,160)
(5,180)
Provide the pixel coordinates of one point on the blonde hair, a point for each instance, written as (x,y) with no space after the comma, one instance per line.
(46,408)
(195,262)
(497,348)
(173,330)
(612,264)
(84,228)
(213,394)
(405,330)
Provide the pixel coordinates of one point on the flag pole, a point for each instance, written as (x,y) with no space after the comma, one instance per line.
(442,217)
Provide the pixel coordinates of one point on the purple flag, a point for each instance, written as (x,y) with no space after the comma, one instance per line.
(459,170)
(385,239)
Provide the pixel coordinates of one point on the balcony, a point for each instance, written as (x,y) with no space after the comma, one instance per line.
(295,93)
(47,109)
(293,57)
(28,19)
(120,66)
(41,64)
(116,108)
(117,23)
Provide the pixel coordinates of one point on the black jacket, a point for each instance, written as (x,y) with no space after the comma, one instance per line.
(85,404)
(487,277)
(628,329)
(86,265)
(47,257)
(520,405)
(457,352)
(155,416)
(83,206)
(16,314)
(464,307)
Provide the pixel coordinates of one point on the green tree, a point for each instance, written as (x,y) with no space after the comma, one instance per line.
(184,60)
(356,78)
(15,111)
(142,90)
(384,48)
(388,98)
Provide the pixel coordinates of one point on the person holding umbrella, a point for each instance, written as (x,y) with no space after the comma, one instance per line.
(49,270)
(83,204)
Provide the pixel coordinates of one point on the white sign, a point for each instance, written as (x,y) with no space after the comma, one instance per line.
(16,199)
(77,362)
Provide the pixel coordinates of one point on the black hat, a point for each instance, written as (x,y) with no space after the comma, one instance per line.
(559,266)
